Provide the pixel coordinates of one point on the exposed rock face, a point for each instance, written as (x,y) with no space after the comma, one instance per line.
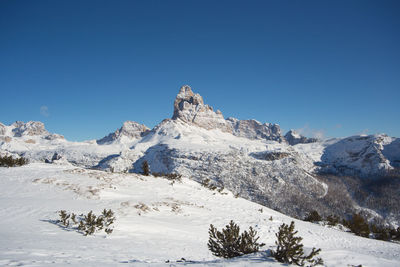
(253,129)
(30,128)
(130,129)
(294,138)
(54,136)
(2,129)
(189,107)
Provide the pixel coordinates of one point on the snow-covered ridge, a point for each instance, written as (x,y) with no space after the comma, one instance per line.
(129,132)
(363,155)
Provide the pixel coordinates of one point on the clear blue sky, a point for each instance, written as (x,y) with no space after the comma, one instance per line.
(84,67)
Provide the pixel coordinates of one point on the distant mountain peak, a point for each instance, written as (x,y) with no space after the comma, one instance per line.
(294,138)
(130,130)
(189,107)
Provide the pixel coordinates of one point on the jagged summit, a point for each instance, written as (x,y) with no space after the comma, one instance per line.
(294,138)
(130,130)
(28,129)
(189,107)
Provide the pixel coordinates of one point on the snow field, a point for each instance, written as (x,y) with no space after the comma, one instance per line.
(156,222)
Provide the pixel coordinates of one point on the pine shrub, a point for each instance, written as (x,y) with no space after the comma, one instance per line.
(90,223)
(9,161)
(146,168)
(313,216)
(358,225)
(333,220)
(290,250)
(229,243)
(380,232)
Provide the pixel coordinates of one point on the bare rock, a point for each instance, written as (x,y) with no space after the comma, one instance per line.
(294,138)
(253,129)
(30,128)
(2,129)
(130,129)
(190,108)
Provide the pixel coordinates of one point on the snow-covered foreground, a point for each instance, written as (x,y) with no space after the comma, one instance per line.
(156,222)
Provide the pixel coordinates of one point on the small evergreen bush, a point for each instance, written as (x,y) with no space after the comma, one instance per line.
(333,220)
(313,216)
(290,249)
(380,232)
(9,161)
(358,225)
(90,223)
(169,176)
(229,243)
(146,168)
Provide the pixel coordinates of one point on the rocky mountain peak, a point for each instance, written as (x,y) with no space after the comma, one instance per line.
(185,100)
(30,128)
(130,130)
(2,129)
(189,107)
(294,138)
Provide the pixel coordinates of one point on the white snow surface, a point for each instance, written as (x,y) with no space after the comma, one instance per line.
(175,225)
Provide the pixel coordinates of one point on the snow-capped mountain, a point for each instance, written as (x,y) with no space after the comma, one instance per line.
(294,138)
(252,159)
(130,131)
(363,155)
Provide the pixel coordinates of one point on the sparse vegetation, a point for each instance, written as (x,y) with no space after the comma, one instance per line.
(333,220)
(88,224)
(211,186)
(229,243)
(146,168)
(169,176)
(313,216)
(358,225)
(290,250)
(9,161)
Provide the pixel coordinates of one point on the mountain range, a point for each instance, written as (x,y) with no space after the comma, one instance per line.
(288,172)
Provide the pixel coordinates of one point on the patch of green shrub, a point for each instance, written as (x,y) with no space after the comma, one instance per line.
(313,216)
(229,243)
(358,225)
(9,161)
(333,220)
(290,249)
(88,224)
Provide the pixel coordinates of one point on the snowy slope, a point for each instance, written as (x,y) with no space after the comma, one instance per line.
(175,225)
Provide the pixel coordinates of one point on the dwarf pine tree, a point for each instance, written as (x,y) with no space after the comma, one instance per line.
(313,216)
(290,250)
(358,225)
(146,168)
(64,218)
(229,243)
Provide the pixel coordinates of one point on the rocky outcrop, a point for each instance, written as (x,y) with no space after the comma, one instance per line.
(253,129)
(130,130)
(294,138)
(189,107)
(54,137)
(30,128)
(2,129)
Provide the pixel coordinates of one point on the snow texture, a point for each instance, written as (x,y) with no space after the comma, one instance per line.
(157,222)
